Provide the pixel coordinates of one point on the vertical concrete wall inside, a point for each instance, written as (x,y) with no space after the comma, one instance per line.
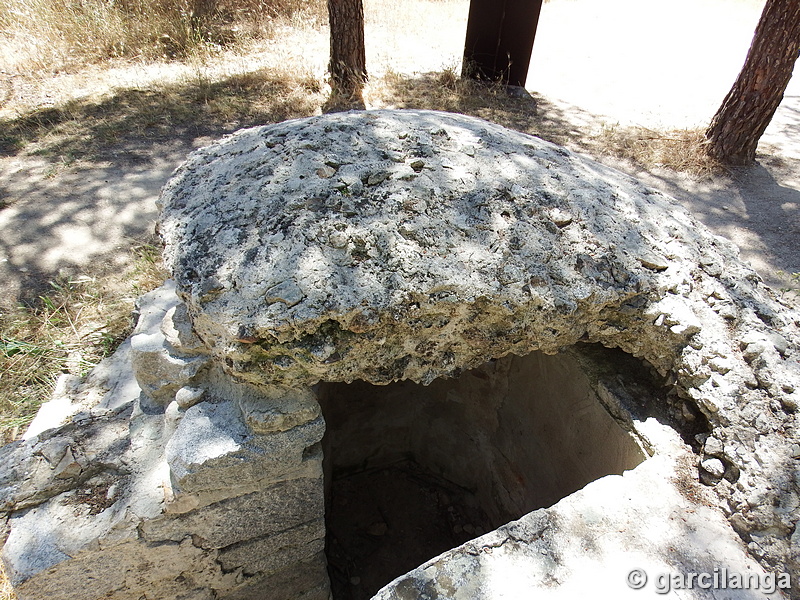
(415,470)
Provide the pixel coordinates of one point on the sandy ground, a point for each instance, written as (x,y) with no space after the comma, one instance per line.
(669,65)
(640,62)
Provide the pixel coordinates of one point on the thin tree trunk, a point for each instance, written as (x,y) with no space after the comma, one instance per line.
(201,11)
(748,108)
(348,61)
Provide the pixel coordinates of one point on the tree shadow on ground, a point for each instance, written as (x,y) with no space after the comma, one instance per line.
(755,207)
(133,120)
(59,165)
(565,125)
(446,91)
(78,182)
(80,179)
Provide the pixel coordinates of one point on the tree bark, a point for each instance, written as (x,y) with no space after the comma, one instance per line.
(201,11)
(748,108)
(348,60)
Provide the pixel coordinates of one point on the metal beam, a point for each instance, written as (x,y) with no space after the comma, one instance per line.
(499,40)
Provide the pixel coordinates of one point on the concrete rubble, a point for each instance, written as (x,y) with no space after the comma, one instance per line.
(410,246)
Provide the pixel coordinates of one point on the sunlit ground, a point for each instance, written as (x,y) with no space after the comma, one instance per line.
(639,62)
(645,62)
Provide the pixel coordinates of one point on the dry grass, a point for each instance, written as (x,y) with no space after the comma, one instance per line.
(79,320)
(92,130)
(68,330)
(6,592)
(50,35)
(678,150)
(444,90)
(681,150)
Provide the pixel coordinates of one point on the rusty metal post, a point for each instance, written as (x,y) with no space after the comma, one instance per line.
(500,40)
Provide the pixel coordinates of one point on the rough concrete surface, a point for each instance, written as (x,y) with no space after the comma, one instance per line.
(599,65)
(412,245)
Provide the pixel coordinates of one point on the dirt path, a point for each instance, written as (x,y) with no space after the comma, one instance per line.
(669,65)
(74,220)
(589,60)
(758,208)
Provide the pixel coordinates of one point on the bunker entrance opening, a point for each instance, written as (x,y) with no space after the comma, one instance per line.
(412,471)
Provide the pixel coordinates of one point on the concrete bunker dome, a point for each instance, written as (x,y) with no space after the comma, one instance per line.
(410,245)
(483,280)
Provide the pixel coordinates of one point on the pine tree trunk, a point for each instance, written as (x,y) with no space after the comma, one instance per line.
(201,11)
(750,105)
(348,61)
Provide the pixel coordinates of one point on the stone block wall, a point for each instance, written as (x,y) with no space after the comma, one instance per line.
(200,487)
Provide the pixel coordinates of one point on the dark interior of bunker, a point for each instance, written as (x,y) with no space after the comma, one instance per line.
(412,471)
